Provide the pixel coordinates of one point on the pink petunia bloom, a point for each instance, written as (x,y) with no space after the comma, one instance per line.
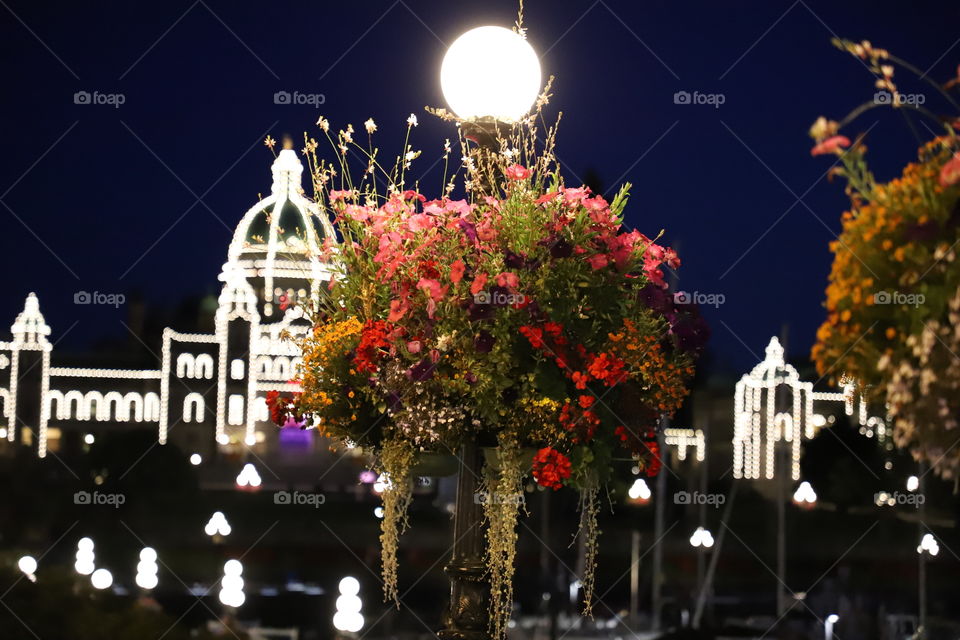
(517,172)
(598,261)
(508,279)
(597,203)
(478,283)
(420,222)
(456,271)
(359,214)
(459,207)
(432,288)
(410,194)
(575,196)
(830,145)
(434,207)
(414,346)
(950,173)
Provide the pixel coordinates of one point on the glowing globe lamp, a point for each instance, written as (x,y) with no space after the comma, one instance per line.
(490,73)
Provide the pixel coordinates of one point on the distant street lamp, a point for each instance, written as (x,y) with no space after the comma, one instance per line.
(195,459)
(805,496)
(231,585)
(701,538)
(217,525)
(828,626)
(913,483)
(28,565)
(84,562)
(248,477)
(147,569)
(928,544)
(348,617)
(639,492)
(101,579)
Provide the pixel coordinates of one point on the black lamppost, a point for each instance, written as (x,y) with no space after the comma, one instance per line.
(490,77)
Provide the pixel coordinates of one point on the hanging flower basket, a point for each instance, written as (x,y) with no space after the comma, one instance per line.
(519,316)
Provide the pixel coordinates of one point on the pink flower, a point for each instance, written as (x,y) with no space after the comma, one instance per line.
(597,203)
(950,173)
(360,214)
(432,288)
(413,346)
(340,195)
(672,259)
(831,145)
(456,271)
(434,207)
(420,222)
(508,279)
(517,172)
(598,261)
(478,283)
(398,309)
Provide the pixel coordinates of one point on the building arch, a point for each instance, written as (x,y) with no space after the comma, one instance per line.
(193,407)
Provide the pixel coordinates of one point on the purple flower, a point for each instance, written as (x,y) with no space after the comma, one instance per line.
(484,342)
(655,298)
(469,229)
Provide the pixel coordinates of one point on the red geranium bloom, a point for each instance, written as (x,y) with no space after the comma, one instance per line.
(550,468)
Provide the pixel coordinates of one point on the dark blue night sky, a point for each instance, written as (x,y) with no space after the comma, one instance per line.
(144,197)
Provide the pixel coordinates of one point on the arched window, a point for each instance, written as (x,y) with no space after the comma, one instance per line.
(151,407)
(91,407)
(203,366)
(74,406)
(113,406)
(133,401)
(185,365)
(193,408)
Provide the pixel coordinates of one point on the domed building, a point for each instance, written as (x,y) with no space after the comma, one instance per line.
(209,389)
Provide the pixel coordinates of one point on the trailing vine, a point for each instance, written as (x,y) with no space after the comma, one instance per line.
(396,460)
(590,530)
(502,501)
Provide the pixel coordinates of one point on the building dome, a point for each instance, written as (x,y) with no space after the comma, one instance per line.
(277,244)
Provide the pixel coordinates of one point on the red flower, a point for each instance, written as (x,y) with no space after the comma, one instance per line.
(517,172)
(586,401)
(373,338)
(456,271)
(607,368)
(830,145)
(550,468)
(950,173)
(598,261)
(534,335)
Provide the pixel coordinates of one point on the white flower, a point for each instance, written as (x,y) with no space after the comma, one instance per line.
(323,123)
(370,125)
(412,120)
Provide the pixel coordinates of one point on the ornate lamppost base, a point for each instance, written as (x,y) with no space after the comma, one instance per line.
(467,617)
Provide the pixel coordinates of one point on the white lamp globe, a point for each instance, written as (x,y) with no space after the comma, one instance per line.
(101,579)
(490,72)
(27,564)
(349,586)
